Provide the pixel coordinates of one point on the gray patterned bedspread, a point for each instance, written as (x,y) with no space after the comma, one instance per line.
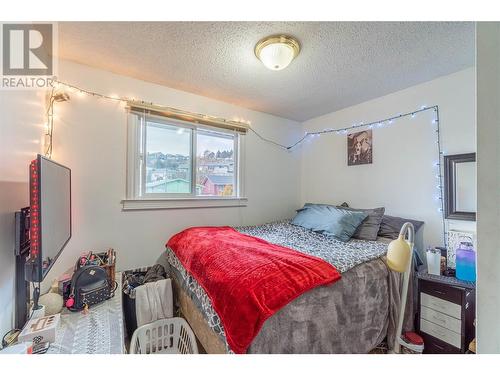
(342,255)
(349,316)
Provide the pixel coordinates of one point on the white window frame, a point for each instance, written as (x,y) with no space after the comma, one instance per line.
(136,171)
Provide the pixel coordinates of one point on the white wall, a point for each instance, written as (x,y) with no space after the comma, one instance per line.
(402,177)
(13,196)
(488,137)
(90,138)
(21,119)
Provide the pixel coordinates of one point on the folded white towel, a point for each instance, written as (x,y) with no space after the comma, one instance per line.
(154,301)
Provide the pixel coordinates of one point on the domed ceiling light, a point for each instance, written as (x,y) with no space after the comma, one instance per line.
(277,51)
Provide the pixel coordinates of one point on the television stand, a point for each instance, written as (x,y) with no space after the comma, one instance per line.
(21,251)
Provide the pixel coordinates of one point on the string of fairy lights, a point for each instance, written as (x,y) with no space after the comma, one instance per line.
(49,126)
(59,93)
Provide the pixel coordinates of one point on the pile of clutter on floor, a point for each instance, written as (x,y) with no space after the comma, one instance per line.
(148,296)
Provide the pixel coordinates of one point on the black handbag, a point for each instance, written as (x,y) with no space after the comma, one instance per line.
(89,285)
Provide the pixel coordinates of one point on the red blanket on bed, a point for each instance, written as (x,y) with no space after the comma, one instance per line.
(247,279)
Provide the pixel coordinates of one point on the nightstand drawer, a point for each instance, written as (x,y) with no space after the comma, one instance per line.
(441,305)
(441,319)
(436,346)
(441,333)
(446,308)
(446,292)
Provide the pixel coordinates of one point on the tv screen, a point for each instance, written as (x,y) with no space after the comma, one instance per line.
(50,214)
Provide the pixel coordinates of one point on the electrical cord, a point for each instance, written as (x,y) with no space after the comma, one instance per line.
(10,337)
(36,297)
(50,124)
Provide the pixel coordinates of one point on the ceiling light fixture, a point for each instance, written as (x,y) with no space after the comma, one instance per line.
(277,51)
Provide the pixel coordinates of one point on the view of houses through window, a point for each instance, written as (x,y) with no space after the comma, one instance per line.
(169,159)
(214,164)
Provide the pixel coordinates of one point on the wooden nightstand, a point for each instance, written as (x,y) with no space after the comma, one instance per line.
(446,313)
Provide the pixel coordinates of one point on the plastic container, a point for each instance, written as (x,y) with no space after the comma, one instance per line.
(165,336)
(433,257)
(412,343)
(466,262)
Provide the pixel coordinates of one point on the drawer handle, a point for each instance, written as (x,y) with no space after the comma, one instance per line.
(438,304)
(439,346)
(437,332)
(439,291)
(437,318)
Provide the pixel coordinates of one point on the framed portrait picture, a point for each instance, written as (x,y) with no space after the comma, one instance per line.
(359,148)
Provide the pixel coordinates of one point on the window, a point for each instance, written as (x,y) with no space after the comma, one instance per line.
(168,159)
(173,160)
(215,166)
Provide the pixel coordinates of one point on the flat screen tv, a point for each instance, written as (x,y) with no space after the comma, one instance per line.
(50,215)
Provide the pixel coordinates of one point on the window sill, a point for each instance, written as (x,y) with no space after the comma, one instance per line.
(175,203)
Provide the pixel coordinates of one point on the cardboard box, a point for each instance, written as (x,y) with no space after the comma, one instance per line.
(39,330)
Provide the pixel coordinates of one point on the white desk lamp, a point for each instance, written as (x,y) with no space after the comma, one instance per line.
(399,255)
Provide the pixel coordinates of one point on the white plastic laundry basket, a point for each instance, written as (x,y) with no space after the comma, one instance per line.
(164,336)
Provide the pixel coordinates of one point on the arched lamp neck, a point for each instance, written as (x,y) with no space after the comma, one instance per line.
(408,229)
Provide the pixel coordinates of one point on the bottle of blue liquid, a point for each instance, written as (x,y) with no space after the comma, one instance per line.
(466,262)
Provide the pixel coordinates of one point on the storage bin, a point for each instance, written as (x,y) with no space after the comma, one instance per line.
(128,301)
(165,336)
(129,286)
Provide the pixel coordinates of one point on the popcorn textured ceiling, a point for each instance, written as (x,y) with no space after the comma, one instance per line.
(340,63)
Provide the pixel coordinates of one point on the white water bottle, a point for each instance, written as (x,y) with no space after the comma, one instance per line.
(433,257)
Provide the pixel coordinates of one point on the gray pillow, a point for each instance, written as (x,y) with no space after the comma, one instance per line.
(343,205)
(329,220)
(391,225)
(370,227)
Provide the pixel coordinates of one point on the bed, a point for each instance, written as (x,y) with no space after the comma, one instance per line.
(352,315)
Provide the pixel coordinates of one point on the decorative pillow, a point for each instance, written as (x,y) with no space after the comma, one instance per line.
(343,205)
(329,220)
(370,226)
(391,225)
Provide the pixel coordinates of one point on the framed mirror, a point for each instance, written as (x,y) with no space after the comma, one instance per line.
(460,186)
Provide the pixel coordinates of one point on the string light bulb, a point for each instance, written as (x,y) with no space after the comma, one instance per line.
(306,137)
